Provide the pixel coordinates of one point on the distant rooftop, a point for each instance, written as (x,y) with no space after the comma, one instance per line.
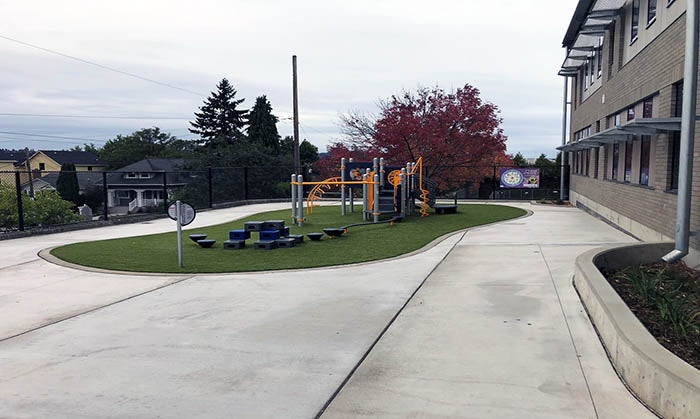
(83,158)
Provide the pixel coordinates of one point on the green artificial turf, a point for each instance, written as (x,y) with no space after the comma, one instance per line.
(158,252)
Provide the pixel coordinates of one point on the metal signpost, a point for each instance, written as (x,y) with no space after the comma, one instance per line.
(183,213)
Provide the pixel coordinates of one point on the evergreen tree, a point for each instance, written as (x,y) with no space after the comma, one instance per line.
(219,116)
(519,160)
(308,153)
(262,128)
(67,183)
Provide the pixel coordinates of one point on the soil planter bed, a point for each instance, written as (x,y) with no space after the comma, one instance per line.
(664,382)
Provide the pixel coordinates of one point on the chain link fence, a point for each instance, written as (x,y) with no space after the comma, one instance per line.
(30,200)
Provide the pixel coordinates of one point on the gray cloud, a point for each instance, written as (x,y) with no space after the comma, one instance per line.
(351,54)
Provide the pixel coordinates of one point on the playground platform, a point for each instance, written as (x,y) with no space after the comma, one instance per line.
(484,324)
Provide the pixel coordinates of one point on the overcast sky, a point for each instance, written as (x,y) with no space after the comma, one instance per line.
(350,55)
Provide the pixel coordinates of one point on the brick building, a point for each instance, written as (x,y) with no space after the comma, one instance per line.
(625,69)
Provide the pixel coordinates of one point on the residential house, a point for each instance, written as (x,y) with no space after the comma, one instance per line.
(8,161)
(143,184)
(624,66)
(51,161)
(86,180)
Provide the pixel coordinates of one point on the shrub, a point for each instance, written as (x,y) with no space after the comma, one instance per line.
(48,208)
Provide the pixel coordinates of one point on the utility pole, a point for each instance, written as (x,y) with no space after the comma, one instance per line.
(297,160)
(29,172)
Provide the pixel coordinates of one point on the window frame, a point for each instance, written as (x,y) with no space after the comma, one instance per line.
(651,18)
(678,99)
(629,150)
(615,161)
(674,149)
(634,22)
(648,108)
(644,159)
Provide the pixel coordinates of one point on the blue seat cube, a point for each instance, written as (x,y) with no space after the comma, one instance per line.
(234,244)
(285,242)
(273,224)
(265,245)
(236,235)
(284,232)
(269,235)
(254,226)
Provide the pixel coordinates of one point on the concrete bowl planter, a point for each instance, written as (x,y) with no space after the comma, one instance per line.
(665,383)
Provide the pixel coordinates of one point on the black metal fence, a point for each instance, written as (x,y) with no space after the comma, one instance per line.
(30,200)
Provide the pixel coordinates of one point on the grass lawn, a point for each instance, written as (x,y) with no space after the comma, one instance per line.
(158,252)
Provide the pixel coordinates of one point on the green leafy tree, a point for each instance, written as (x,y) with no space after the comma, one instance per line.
(86,147)
(262,128)
(308,153)
(67,183)
(93,197)
(147,142)
(519,160)
(8,206)
(219,117)
(48,208)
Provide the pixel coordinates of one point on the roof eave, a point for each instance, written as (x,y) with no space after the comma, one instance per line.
(578,19)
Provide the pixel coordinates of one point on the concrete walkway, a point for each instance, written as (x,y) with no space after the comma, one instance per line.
(494,329)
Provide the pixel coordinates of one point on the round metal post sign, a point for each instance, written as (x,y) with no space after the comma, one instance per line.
(187,213)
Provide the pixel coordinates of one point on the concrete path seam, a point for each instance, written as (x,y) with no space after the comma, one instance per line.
(95,309)
(571,336)
(610,360)
(386,328)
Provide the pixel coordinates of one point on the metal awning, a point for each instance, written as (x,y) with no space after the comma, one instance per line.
(625,132)
(651,126)
(590,21)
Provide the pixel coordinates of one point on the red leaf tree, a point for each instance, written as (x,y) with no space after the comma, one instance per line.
(457,134)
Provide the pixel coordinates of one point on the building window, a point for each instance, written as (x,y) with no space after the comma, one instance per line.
(635,21)
(677,104)
(585,73)
(89,168)
(597,126)
(600,56)
(596,152)
(651,12)
(630,113)
(647,108)
(594,59)
(617,119)
(131,175)
(42,166)
(615,160)
(628,161)
(611,49)
(586,160)
(644,160)
(674,160)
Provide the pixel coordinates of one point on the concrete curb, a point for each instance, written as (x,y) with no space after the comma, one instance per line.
(665,383)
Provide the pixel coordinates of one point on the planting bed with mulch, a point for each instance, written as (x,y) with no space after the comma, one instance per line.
(666,299)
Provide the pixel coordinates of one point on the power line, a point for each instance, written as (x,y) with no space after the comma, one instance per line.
(104,67)
(47,136)
(93,116)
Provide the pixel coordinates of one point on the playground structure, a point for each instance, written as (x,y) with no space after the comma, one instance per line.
(386,190)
